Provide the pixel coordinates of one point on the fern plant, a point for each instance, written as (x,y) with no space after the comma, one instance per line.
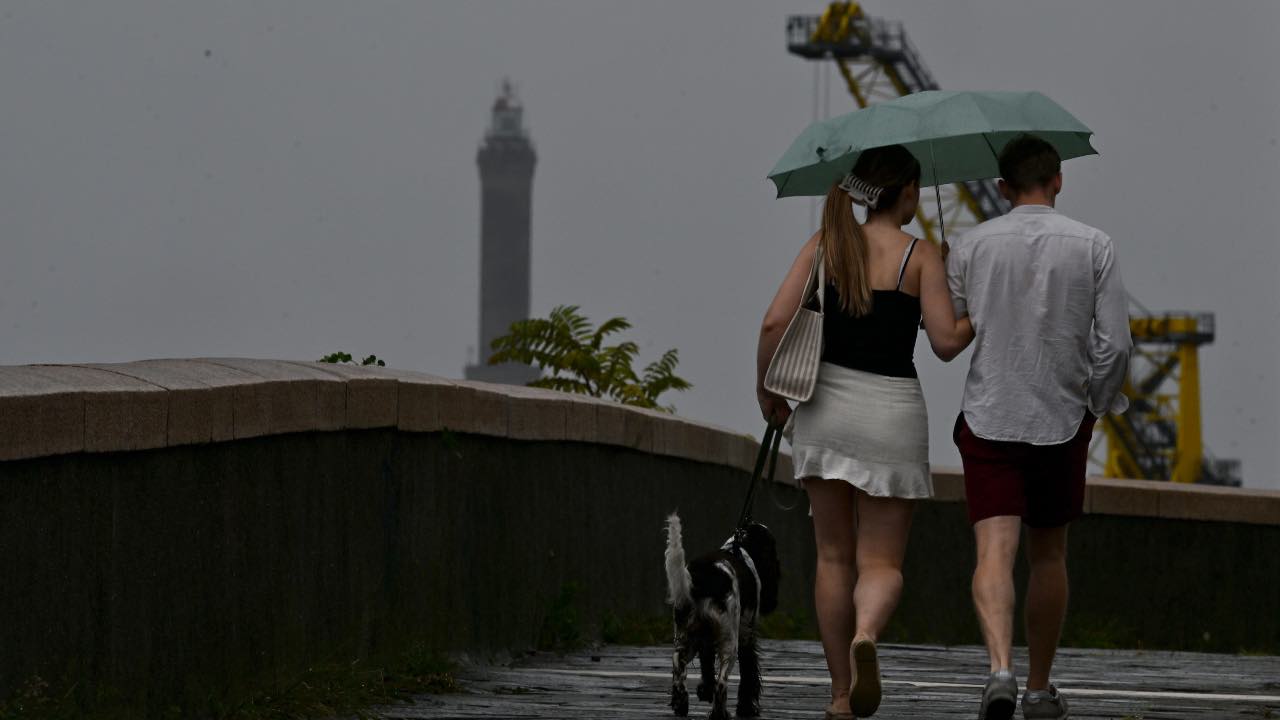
(338,358)
(575,353)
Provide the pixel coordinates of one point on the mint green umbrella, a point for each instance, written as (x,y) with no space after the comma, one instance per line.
(956,136)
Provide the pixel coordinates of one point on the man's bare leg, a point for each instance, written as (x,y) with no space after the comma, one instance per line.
(1047,593)
(993,592)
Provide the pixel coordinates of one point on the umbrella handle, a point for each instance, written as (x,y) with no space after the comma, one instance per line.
(937,194)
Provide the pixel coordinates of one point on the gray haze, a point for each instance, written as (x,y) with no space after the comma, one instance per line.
(285,179)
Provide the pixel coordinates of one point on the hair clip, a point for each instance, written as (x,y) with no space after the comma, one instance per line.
(862,192)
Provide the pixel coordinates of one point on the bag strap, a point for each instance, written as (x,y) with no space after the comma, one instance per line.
(822,277)
(906,256)
(816,284)
(768,451)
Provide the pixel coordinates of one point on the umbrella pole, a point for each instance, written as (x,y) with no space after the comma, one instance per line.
(937,193)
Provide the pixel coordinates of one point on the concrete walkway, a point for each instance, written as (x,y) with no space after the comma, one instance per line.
(920,682)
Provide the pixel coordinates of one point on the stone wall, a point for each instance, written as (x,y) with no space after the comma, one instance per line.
(193,528)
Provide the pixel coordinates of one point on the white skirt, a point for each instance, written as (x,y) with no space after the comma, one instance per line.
(872,431)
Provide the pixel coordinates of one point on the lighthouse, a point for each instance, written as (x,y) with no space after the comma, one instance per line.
(506,160)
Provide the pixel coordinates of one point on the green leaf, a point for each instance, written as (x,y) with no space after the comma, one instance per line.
(565,345)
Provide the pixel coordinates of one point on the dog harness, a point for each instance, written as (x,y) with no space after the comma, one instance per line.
(746,560)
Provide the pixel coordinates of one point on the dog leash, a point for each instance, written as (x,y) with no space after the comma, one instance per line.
(768,452)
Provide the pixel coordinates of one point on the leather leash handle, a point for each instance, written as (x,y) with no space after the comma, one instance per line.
(768,451)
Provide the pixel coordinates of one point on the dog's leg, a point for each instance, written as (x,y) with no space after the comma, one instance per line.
(707,663)
(749,670)
(726,653)
(679,665)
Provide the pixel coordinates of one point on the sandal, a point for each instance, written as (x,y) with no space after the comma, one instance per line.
(864,694)
(833,715)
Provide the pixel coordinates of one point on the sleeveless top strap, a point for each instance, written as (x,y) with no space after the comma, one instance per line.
(902,269)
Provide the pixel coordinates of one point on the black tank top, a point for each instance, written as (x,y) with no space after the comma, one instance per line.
(884,340)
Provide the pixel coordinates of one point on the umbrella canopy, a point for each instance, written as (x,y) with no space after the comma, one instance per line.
(956,136)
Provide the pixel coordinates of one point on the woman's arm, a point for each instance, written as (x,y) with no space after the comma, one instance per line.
(781,310)
(947,336)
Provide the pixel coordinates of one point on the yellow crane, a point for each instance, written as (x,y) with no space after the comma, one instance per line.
(1159,438)
(878,62)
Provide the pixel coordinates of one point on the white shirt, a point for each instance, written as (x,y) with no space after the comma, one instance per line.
(1052,324)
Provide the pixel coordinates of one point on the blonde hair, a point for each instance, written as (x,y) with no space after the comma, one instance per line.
(844,247)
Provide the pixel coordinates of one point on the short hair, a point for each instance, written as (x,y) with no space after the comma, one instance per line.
(1029,162)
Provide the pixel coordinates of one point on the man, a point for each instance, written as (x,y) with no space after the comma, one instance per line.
(1050,357)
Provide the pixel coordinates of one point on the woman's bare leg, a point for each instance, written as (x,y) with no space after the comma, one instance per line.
(834,535)
(883,527)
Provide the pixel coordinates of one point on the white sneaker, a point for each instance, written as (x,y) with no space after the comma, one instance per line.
(1048,704)
(999,697)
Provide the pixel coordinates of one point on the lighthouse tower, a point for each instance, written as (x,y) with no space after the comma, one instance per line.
(506,159)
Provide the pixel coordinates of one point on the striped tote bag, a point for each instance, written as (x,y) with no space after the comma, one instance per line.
(793,370)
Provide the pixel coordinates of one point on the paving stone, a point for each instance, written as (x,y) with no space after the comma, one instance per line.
(201,396)
(582,418)
(289,397)
(611,424)
(642,429)
(418,405)
(1122,497)
(723,445)
(372,393)
(474,407)
(684,439)
(120,412)
(372,403)
(38,416)
(418,399)
(536,413)
(743,456)
(1223,504)
(919,681)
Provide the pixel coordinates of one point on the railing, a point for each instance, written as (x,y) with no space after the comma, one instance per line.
(915,66)
(1173,328)
(881,39)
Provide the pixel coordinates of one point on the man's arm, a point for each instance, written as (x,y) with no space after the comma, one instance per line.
(1109,342)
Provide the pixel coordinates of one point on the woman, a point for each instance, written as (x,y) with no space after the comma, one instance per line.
(861,444)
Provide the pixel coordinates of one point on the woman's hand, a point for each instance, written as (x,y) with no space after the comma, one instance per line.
(774,408)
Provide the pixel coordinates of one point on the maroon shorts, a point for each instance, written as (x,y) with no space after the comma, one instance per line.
(1042,484)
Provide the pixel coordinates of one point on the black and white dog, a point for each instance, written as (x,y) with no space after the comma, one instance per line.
(716,600)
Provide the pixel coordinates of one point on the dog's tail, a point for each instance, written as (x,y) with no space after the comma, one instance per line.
(679,583)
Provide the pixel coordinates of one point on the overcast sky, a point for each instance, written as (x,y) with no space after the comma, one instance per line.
(285,179)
